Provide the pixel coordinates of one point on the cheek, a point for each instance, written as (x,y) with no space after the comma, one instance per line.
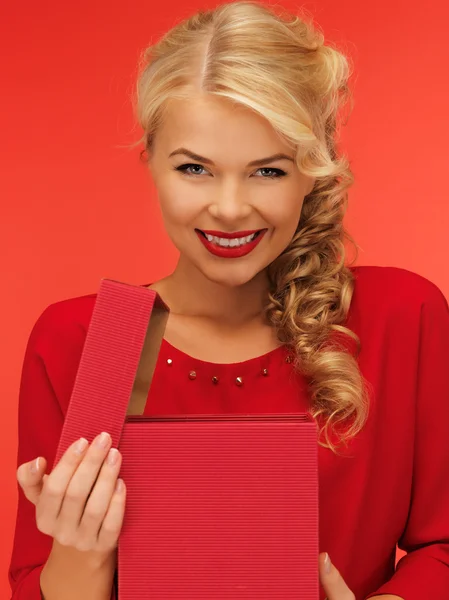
(285,214)
(179,206)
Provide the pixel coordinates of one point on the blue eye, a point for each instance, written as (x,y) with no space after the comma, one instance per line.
(278,173)
(183,168)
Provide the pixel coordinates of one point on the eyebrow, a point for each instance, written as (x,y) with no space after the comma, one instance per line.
(253,163)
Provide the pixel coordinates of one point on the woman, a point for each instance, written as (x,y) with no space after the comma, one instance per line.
(239,108)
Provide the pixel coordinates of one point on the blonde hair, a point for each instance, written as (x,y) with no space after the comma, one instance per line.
(277,64)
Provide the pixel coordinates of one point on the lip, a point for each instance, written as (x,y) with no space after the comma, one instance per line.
(234,252)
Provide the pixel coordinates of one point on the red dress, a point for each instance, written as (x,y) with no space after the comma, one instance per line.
(390,486)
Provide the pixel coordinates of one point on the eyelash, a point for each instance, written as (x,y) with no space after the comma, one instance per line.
(183,169)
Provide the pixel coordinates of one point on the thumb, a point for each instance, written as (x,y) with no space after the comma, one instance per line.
(30,477)
(333,583)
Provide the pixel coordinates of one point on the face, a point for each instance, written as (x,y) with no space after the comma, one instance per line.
(228,218)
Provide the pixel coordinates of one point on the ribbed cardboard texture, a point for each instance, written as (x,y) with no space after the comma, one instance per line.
(219,507)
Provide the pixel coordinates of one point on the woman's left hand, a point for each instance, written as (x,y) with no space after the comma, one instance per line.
(335,586)
(333,583)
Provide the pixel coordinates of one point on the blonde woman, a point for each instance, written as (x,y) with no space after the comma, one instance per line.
(240,110)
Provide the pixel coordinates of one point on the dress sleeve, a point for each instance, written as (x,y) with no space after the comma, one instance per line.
(40,420)
(424,571)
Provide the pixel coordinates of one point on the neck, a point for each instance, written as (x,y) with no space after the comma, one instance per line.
(189,293)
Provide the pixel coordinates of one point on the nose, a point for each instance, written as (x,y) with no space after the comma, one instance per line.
(229,206)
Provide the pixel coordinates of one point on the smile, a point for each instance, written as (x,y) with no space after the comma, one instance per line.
(231,242)
(230,245)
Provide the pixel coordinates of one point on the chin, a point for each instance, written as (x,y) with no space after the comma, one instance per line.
(231,276)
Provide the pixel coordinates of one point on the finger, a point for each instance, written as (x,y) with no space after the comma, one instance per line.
(55,485)
(113,521)
(333,583)
(30,477)
(98,504)
(82,482)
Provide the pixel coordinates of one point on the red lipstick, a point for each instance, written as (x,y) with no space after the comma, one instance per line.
(230,251)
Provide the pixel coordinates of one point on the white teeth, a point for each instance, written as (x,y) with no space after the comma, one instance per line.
(232,243)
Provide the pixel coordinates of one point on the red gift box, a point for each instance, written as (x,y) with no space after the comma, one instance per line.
(218,507)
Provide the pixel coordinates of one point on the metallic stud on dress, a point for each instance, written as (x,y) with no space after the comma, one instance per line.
(288,359)
(239,381)
(214,379)
(192,375)
(265,372)
(169,361)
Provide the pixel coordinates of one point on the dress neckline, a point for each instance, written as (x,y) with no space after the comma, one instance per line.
(266,357)
(281,355)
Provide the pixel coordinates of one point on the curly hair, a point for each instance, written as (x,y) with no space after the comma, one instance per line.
(277,64)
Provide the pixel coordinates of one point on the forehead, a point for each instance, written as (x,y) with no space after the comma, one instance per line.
(207,124)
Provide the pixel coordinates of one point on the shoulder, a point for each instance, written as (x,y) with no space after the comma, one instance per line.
(55,345)
(394,290)
(62,322)
(60,330)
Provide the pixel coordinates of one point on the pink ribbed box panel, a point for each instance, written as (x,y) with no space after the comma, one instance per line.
(219,507)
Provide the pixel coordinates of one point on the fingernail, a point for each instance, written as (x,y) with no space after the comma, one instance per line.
(327,564)
(34,467)
(80,446)
(112,457)
(103,440)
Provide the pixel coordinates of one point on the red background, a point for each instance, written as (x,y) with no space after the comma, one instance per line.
(75,207)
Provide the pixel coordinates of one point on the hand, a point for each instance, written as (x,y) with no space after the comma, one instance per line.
(333,583)
(79,504)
